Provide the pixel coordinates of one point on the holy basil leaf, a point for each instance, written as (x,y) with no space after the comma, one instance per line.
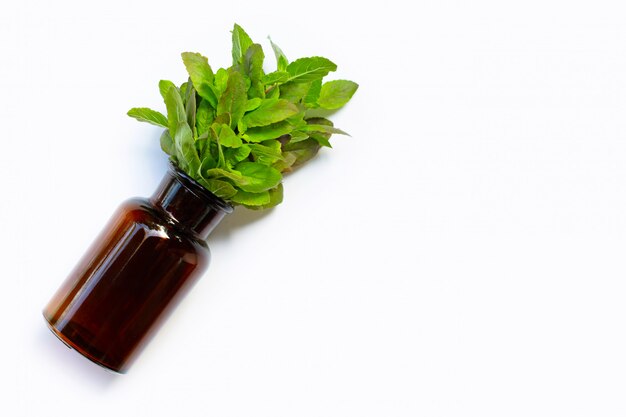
(296,146)
(221,81)
(176,113)
(183,91)
(302,151)
(208,160)
(234,176)
(201,75)
(297,120)
(321,138)
(294,159)
(258,177)
(270,111)
(204,117)
(186,149)
(198,68)
(266,153)
(294,92)
(222,118)
(276,77)
(276,197)
(241,127)
(164,87)
(253,68)
(313,94)
(227,137)
(284,165)
(222,189)
(334,94)
(273,131)
(272,92)
(241,43)
(144,114)
(236,155)
(281,59)
(319,134)
(233,100)
(304,155)
(167,144)
(323,129)
(253,103)
(298,136)
(305,70)
(251,199)
(190,107)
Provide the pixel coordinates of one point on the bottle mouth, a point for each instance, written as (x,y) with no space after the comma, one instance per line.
(196,188)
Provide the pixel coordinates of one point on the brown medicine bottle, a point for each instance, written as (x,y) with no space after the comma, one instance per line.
(147,257)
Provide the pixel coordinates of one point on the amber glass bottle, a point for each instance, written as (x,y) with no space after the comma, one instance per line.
(145,260)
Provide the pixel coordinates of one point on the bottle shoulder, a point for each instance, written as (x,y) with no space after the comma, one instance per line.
(142,211)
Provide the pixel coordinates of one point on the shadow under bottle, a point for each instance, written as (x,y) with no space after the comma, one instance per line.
(148,256)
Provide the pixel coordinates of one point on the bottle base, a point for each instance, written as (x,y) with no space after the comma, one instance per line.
(67,342)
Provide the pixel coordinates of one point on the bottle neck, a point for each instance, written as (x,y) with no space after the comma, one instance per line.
(189,204)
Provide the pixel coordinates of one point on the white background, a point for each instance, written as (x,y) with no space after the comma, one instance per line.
(462,254)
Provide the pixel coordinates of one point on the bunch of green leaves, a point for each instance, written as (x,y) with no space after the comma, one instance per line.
(238,129)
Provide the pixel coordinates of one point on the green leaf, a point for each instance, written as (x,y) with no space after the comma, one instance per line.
(273,92)
(296,154)
(267,153)
(276,77)
(258,177)
(222,189)
(144,114)
(321,138)
(270,111)
(241,127)
(251,199)
(305,70)
(273,131)
(186,149)
(204,117)
(334,94)
(281,59)
(294,92)
(224,173)
(297,136)
(241,43)
(276,197)
(198,68)
(235,155)
(201,75)
(167,144)
(190,107)
(253,103)
(297,120)
(183,91)
(311,97)
(208,161)
(233,100)
(323,129)
(176,113)
(284,165)
(253,68)
(304,155)
(164,87)
(227,137)
(220,81)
